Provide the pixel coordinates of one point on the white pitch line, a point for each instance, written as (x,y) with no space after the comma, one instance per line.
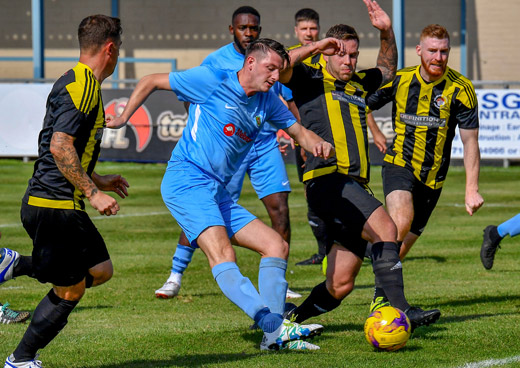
(131,215)
(502,205)
(492,362)
(106,217)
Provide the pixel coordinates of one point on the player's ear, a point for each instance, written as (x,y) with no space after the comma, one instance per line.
(230,29)
(250,62)
(112,48)
(418,49)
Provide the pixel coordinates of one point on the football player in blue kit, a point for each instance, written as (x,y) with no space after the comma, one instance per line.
(264,163)
(227,112)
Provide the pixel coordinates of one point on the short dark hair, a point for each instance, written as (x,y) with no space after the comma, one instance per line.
(306,14)
(343,32)
(245,10)
(263,45)
(95,30)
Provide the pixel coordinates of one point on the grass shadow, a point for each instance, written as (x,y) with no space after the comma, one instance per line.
(437,259)
(195,360)
(457,319)
(479,300)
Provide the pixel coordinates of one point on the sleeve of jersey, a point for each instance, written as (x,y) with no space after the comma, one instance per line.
(68,118)
(194,85)
(467,108)
(297,81)
(285,92)
(382,96)
(371,79)
(209,60)
(278,115)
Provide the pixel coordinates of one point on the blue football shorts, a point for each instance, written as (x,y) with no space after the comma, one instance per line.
(197,201)
(266,169)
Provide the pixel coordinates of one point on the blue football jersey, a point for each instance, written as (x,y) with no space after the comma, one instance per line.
(228,58)
(223,121)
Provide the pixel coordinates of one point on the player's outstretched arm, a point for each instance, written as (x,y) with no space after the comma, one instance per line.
(473,199)
(146,86)
(310,141)
(387,58)
(327,46)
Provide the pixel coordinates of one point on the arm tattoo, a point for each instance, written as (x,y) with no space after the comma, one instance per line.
(67,161)
(387,58)
(298,58)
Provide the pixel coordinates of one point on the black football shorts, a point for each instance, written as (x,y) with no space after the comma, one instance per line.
(424,198)
(344,205)
(66,244)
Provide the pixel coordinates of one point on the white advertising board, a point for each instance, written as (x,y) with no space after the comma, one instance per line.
(499,133)
(22,109)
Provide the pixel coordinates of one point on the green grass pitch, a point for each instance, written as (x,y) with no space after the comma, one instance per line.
(122,324)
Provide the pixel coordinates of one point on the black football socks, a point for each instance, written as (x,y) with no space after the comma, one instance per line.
(388,273)
(318,302)
(49,318)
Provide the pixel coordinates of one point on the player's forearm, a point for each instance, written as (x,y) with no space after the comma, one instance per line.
(387,58)
(67,161)
(301,53)
(296,56)
(469,139)
(472,166)
(307,139)
(143,89)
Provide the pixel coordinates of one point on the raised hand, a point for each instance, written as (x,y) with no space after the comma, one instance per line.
(378,16)
(331,46)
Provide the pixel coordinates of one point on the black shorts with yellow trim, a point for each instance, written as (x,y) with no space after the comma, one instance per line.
(424,198)
(66,244)
(345,205)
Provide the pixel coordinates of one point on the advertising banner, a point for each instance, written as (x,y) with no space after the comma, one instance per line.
(157,125)
(499,133)
(151,133)
(22,109)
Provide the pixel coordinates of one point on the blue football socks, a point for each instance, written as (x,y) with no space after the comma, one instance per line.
(511,227)
(268,321)
(182,258)
(272,284)
(238,288)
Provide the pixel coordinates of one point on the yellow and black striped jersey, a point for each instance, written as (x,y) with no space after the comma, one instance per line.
(424,119)
(74,107)
(336,111)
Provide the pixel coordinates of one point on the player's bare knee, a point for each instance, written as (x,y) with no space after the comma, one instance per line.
(285,249)
(341,289)
(278,249)
(72,293)
(102,278)
(387,231)
(101,273)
